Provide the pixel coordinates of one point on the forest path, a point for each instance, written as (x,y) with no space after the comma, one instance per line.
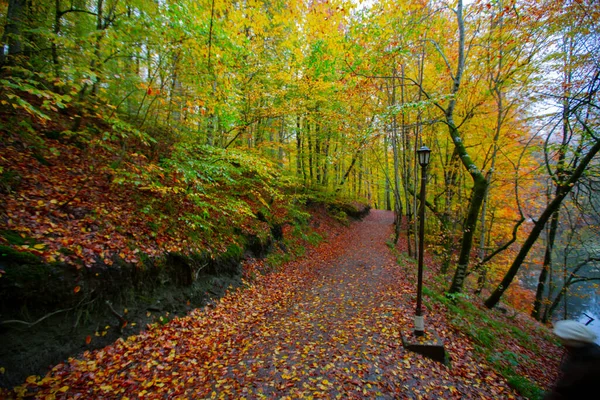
(328,325)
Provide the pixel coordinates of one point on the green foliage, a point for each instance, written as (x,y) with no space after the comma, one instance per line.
(484,337)
(507,357)
(313,238)
(234,251)
(507,363)
(8,254)
(16,238)
(402,258)
(298,215)
(121,131)
(276,259)
(204,170)
(454,297)
(525,387)
(22,84)
(341,216)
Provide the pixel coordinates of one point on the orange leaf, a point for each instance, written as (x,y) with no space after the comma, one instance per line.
(77,289)
(88,339)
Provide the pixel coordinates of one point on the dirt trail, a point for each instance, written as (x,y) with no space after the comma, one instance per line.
(339,334)
(327,326)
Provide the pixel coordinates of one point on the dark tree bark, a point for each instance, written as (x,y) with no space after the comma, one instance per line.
(480,185)
(547,264)
(13,30)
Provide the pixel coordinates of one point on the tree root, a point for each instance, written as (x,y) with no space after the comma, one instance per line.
(30,324)
(122,320)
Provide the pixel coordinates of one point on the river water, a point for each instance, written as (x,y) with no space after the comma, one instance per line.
(583,307)
(587,312)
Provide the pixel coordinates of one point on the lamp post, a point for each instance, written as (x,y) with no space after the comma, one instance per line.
(423,155)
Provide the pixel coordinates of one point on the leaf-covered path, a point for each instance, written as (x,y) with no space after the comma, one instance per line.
(326,326)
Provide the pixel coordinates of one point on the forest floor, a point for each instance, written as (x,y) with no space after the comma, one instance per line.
(327,325)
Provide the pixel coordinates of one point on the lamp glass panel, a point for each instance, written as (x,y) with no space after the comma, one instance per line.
(423,154)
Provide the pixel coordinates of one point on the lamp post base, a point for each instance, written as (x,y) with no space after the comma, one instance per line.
(429,345)
(419,325)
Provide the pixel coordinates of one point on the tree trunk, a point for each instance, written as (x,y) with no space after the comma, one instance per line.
(280,148)
(318,156)
(396,160)
(57,28)
(547,264)
(13,30)
(299,153)
(310,152)
(388,188)
(350,168)
(477,196)
(95,65)
(446,216)
(480,184)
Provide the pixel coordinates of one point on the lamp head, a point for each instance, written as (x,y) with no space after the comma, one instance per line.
(423,155)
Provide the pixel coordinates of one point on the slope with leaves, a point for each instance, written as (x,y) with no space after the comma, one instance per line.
(87,199)
(106,215)
(325,326)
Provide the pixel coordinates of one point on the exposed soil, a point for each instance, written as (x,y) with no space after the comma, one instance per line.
(30,348)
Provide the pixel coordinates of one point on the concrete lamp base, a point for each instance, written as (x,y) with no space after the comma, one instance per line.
(429,345)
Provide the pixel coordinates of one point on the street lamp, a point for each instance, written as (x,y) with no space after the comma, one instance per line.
(423,155)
